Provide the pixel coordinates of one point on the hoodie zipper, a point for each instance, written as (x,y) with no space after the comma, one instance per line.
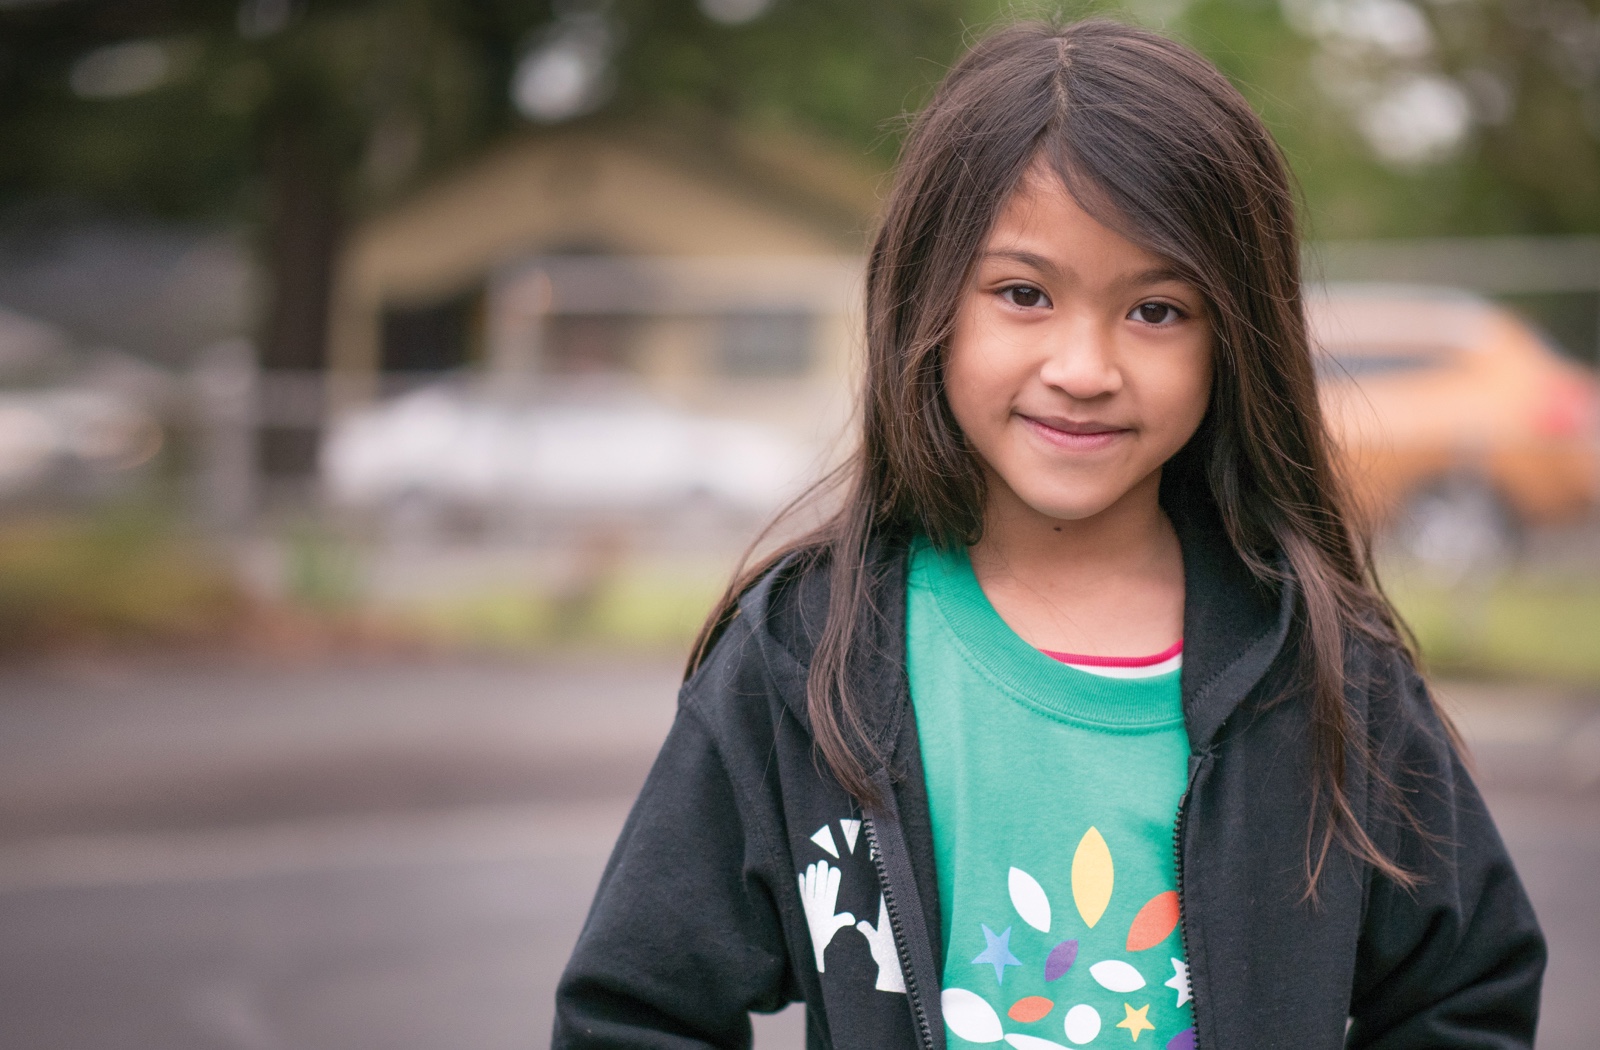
(1177,866)
(907,971)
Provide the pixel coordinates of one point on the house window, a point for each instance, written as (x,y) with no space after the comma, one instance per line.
(590,344)
(433,337)
(766,345)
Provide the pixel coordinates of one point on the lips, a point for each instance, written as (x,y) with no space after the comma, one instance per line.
(1076,435)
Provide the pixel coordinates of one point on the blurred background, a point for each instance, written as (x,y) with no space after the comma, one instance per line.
(387,387)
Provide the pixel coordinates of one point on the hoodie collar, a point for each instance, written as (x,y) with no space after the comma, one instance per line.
(1234,626)
(787,610)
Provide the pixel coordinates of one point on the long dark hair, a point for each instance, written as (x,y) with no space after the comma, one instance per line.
(1154,142)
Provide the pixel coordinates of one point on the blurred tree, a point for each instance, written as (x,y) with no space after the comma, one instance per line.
(1530,72)
(289,118)
(1423,117)
(297,116)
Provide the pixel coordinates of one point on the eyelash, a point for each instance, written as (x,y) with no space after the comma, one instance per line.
(1174,317)
(1006,294)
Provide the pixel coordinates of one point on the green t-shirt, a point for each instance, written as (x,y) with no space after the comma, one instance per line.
(1053,793)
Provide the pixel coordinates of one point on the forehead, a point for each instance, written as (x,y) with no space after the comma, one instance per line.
(1041,217)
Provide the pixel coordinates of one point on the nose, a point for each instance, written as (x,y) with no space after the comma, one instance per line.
(1081,359)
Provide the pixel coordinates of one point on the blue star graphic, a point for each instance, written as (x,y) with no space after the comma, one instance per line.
(998,953)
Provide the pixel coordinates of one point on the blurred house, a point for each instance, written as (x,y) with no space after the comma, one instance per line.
(160,292)
(717,277)
(105,321)
(74,426)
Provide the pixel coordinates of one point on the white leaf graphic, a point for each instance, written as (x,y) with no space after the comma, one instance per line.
(1116,976)
(970,1017)
(1028,897)
(1032,1042)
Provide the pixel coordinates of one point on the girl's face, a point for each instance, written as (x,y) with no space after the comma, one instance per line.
(1079,363)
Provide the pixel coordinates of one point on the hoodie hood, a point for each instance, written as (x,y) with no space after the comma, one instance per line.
(1234,626)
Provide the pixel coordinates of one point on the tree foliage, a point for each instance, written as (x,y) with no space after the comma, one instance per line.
(391,90)
(1400,116)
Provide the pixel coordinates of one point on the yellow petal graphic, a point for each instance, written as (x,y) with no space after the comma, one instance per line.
(1092,876)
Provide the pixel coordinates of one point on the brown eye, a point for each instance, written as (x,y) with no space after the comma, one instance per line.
(1156,313)
(1024,295)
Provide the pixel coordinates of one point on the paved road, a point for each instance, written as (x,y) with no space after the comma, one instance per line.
(398,856)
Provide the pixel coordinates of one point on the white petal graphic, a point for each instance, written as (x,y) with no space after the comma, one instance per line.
(851,829)
(824,838)
(1028,897)
(1114,975)
(970,1017)
(1032,1042)
(1082,1024)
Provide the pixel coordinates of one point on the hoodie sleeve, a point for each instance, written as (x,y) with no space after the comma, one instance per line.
(1457,960)
(683,940)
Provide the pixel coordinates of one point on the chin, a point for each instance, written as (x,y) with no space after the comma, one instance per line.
(1068,508)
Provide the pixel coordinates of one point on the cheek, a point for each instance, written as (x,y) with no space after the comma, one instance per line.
(973,380)
(1186,391)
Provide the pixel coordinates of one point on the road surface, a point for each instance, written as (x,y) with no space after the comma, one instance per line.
(399,855)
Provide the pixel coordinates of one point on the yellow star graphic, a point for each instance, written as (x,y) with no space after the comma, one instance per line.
(1136,1021)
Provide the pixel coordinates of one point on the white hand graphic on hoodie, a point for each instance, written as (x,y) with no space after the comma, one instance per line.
(881,941)
(819,892)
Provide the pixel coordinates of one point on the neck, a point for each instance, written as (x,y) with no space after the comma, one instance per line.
(1130,533)
(1110,584)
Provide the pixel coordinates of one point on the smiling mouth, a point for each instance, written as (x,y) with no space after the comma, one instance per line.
(1074,435)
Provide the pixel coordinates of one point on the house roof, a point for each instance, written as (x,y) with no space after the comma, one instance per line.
(634,191)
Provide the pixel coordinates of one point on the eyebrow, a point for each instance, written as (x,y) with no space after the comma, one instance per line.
(1033,259)
(1154,275)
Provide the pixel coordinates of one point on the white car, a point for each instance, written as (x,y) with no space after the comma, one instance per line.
(48,433)
(458,447)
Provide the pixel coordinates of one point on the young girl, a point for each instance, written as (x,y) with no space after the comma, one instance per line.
(1082,722)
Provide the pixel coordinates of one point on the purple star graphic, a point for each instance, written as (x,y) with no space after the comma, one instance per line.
(998,953)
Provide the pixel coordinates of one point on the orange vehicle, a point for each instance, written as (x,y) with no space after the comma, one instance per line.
(1459,424)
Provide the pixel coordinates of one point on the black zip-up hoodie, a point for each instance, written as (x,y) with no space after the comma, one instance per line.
(699,917)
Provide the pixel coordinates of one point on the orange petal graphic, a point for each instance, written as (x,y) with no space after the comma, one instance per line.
(1030,1009)
(1154,922)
